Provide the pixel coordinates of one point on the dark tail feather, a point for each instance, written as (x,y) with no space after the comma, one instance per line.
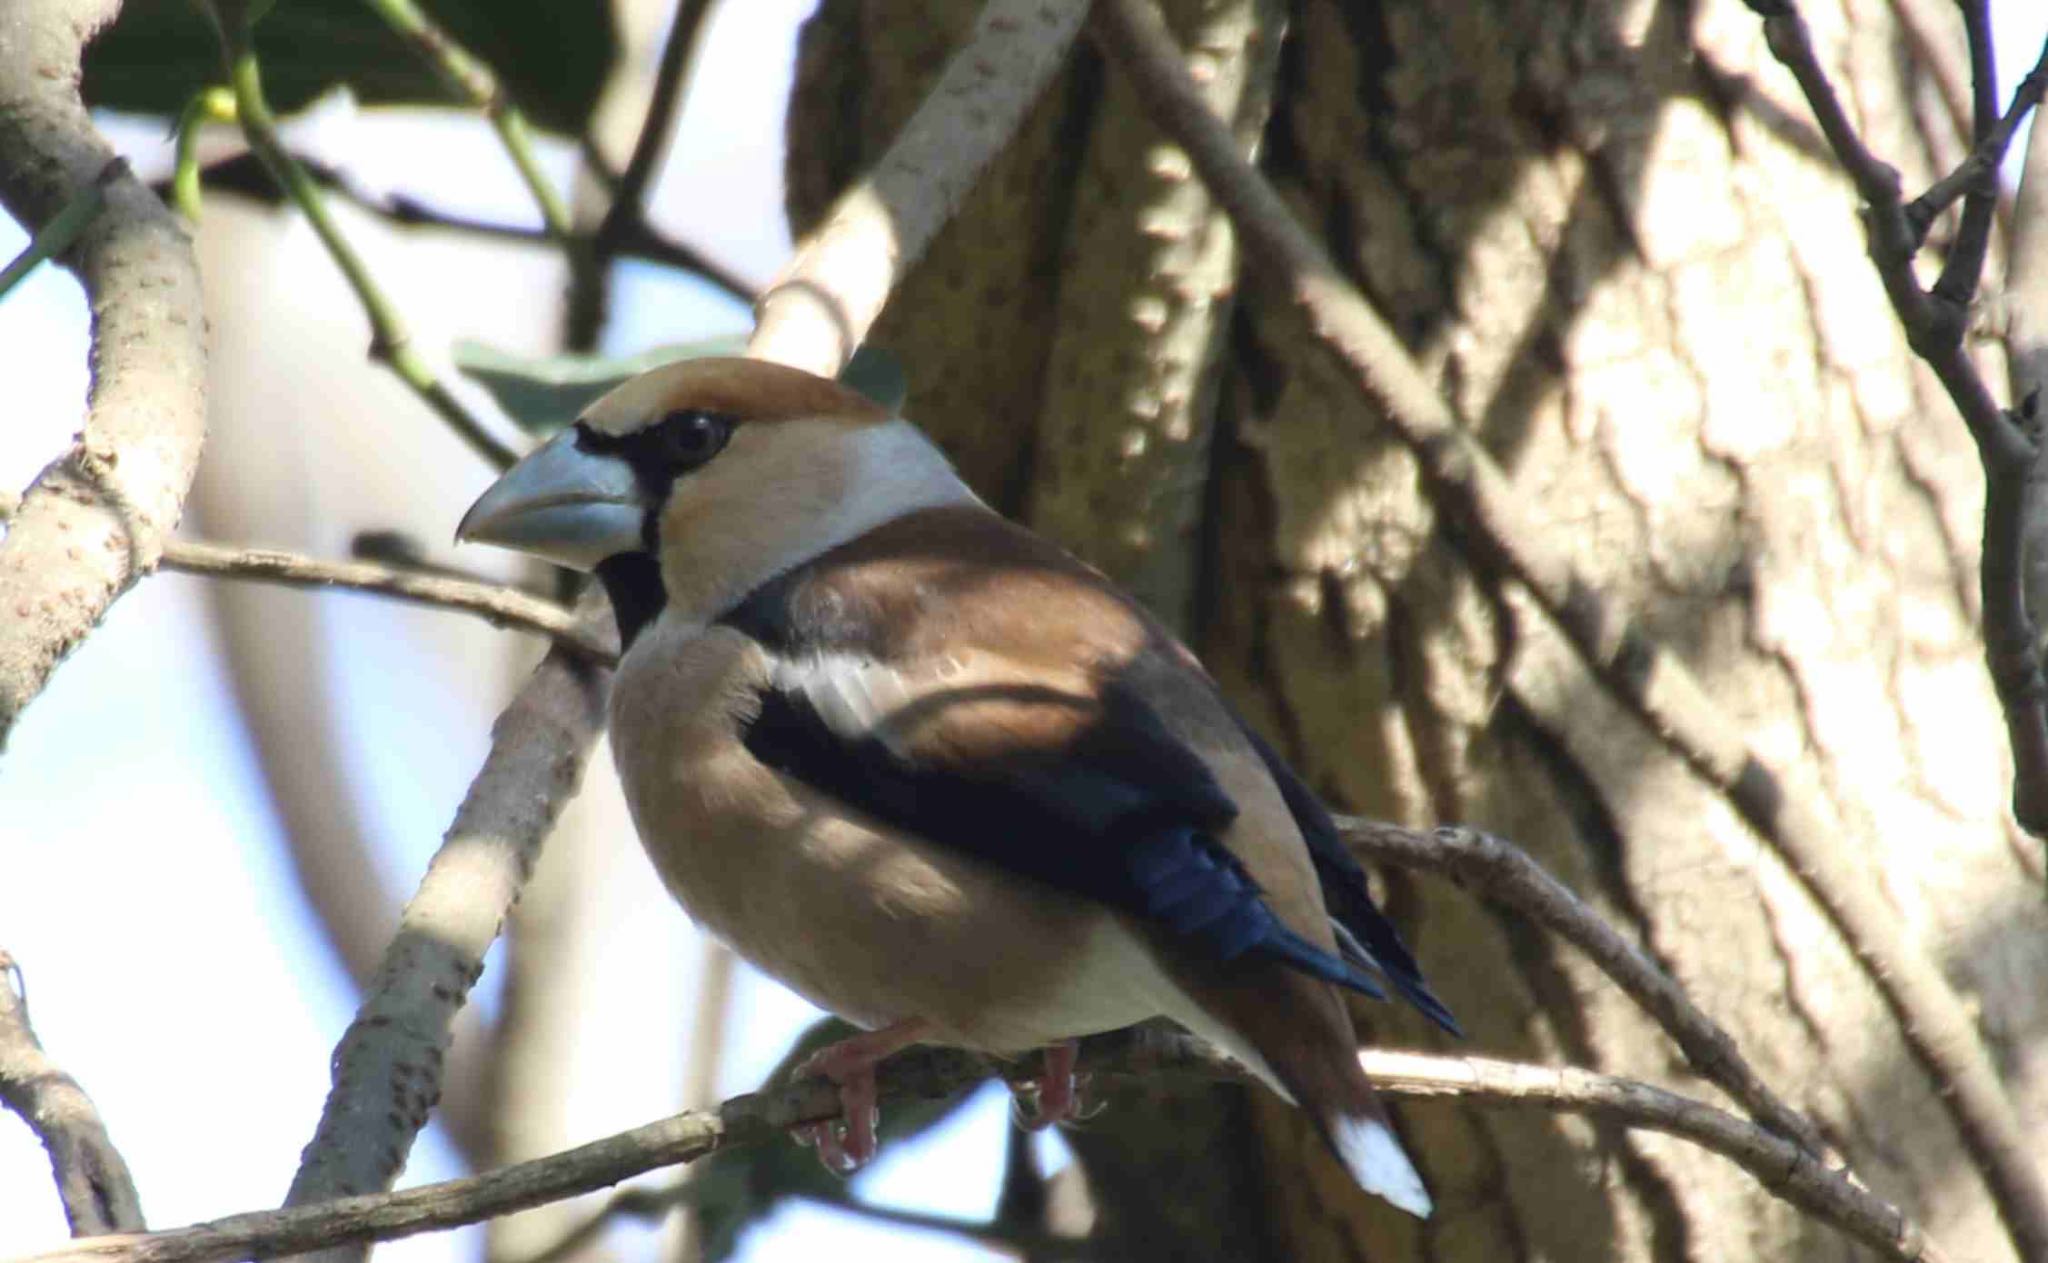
(1299,1029)
(1349,1115)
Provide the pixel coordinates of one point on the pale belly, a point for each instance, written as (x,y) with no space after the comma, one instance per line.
(861,920)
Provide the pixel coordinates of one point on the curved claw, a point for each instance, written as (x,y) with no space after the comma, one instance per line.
(850,1142)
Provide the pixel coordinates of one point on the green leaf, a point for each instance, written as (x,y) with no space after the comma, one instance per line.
(542,395)
(737,1189)
(550,57)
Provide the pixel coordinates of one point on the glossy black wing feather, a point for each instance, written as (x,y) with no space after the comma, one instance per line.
(1126,815)
(1345,892)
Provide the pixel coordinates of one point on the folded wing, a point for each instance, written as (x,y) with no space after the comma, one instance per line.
(1065,781)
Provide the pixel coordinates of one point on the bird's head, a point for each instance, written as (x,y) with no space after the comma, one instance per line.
(709,477)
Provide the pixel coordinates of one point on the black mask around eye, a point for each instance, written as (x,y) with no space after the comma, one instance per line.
(681,441)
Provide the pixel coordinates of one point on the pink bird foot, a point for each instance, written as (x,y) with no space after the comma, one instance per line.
(1057,1099)
(848,1143)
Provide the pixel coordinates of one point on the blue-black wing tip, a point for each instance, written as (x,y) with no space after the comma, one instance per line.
(1303,955)
(1417,993)
(1297,951)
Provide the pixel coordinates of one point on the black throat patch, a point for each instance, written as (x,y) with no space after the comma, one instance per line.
(633,582)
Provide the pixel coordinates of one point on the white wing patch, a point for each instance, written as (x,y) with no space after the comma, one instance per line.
(856,697)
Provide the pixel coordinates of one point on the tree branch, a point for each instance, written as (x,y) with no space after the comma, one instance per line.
(499,606)
(819,309)
(1934,322)
(390,342)
(1514,537)
(95,519)
(2026,358)
(1501,871)
(1980,169)
(1965,265)
(1136,1056)
(92,1179)
(388,1066)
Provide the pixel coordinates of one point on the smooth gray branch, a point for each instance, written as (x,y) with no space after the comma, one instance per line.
(95,519)
(92,1179)
(819,309)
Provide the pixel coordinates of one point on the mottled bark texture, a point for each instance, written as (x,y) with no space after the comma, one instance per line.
(95,519)
(1610,234)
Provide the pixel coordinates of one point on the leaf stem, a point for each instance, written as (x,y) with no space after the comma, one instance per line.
(389,340)
(473,80)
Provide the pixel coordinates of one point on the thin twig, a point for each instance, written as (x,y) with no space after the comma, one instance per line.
(1979,171)
(641,240)
(475,82)
(818,310)
(92,1179)
(389,340)
(1503,872)
(1934,322)
(499,606)
(628,210)
(1964,268)
(1141,1055)
(1513,535)
(95,518)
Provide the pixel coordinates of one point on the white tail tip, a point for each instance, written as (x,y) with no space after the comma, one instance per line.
(1376,1160)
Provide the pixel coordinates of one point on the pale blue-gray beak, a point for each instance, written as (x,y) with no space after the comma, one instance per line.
(569,506)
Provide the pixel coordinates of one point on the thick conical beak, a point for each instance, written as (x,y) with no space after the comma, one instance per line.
(566,505)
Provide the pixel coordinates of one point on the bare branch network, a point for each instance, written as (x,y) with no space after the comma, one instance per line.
(813,316)
(1139,1055)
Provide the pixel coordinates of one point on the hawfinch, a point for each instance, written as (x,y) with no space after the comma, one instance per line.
(933,773)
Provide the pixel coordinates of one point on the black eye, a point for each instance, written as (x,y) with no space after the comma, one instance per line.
(690,437)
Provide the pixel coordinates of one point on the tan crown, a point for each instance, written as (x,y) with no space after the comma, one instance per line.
(749,390)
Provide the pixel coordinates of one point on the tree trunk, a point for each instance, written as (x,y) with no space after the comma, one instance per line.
(1615,238)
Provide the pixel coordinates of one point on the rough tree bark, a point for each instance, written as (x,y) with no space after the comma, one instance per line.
(1611,234)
